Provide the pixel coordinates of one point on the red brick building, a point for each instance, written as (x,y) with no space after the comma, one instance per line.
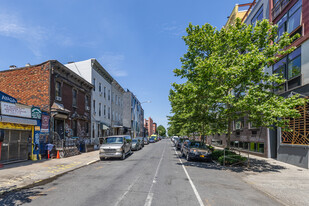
(148,124)
(61,93)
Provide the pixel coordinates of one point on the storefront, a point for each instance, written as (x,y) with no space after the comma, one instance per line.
(18,127)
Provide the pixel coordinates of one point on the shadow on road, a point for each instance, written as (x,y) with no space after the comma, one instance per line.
(255,165)
(21,197)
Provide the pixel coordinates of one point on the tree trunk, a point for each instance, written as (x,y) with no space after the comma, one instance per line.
(229,131)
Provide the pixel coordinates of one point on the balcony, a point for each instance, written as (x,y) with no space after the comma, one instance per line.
(278,7)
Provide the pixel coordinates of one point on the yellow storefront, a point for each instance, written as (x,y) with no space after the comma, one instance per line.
(16,132)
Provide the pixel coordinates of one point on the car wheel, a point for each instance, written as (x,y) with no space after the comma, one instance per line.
(123,155)
(188,158)
(182,154)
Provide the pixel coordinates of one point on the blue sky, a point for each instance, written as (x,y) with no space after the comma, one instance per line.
(137,41)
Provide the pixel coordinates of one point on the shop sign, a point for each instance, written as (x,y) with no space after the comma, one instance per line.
(36,113)
(45,123)
(17,110)
(7,98)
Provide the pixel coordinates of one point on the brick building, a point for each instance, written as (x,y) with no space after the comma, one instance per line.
(60,93)
(148,124)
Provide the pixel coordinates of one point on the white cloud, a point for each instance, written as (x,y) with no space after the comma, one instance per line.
(33,36)
(113,63)
(173,29)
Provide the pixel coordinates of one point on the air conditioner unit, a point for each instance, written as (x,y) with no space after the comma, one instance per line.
(58,98)
(87,108)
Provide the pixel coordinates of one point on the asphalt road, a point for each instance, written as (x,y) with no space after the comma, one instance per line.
(153,176)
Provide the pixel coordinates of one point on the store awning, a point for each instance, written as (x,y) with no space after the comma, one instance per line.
(117,126)
(104,126)
(17,120)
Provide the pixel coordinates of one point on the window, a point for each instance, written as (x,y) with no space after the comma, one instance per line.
(94,106)
(58,89)
(100,109)
(258,16)
(87,128)
(93,82)
(109,113)
(113,116)
(116,99)
(74,128)
(113,97)
(100,87)
(291,20)
(86,101)
(289,68)
(109,94)
(104,92)
(74,103)
(239,124)
(104,110)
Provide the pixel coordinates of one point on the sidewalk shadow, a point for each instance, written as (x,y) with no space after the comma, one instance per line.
(20,197)
(22,163)
(259,166)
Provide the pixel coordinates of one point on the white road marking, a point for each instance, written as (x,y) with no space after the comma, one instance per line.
(192,185)
(150,192)
(128,190)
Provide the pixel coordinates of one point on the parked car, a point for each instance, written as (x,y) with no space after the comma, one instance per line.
(152,139)
(196,150)
(136,144)
(116,147)
(179,143)
(146,141)
(141,140)
(175,141)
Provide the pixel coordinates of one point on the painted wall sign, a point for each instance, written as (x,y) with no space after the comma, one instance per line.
(45,123)
(36,113)
(17,110)
(7,98)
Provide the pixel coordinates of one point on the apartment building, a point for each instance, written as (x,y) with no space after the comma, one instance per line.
(293,17)
(117,108)
(101,101)
(63,96)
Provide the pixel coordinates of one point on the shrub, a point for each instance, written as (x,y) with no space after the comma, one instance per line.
(218,153)
(231,159)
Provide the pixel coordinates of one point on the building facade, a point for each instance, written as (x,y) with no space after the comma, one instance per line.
(61,94)
(133,115)
(19,130)
(293,17)
(117,108)
(101,101)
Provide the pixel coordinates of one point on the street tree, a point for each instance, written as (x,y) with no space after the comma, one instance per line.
(226,78)
(161,130)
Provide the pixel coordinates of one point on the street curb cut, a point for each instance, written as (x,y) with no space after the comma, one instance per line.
(45,180)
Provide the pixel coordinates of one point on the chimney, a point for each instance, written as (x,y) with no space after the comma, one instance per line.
(28,65)
(13,67)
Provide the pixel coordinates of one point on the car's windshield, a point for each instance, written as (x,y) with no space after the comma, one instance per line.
(134,140)
(113,140)
(152,138)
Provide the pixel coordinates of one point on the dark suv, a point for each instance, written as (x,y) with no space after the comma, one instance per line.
(196,150)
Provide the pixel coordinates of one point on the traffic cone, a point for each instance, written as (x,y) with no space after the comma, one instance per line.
(48,155)
(58,156)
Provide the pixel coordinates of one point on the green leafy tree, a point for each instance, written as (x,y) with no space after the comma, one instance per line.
(226,78)
(161,131)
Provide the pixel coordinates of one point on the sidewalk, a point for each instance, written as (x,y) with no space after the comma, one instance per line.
(24,174)
(287,183)
(284,182)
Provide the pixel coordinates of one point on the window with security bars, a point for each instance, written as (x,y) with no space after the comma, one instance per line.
(299,128)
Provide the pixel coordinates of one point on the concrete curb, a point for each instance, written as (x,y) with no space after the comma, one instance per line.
(45,180)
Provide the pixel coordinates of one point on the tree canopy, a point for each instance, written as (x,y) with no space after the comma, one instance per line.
(228,76)
(161,130)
